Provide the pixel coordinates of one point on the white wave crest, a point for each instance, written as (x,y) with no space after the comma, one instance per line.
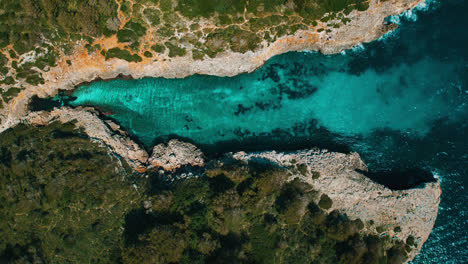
(412,14)
(358,47)
(389,35)
(437,175)
(408,16)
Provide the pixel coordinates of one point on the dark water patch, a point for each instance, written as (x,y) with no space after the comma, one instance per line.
(401,179)
(241,109)
(300,136)
(298,89)
(42,104)
(445,142)
(443,39)
(121,76)
(271,72)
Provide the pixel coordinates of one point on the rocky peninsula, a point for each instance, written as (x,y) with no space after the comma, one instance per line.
(400,214)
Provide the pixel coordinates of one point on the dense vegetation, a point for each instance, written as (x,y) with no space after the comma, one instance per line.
(48,29)
(63,198)
(243,213)
(66,200)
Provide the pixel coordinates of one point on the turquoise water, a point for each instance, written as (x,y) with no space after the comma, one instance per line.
(280,96)
(401,102)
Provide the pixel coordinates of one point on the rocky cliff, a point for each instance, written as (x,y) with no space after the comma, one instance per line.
(84,66)
(400,214)
(406,215)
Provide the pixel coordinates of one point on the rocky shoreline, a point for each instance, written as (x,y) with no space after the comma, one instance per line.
(398,213)
(103,131)
(363,27)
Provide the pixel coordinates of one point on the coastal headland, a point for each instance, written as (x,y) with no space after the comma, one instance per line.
(136,39)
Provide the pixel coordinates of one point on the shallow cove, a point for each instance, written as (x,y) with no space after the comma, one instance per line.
(400,102)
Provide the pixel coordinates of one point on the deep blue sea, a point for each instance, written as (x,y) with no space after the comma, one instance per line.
(400,101)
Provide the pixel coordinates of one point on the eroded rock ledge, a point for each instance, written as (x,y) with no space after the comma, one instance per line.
(401,214)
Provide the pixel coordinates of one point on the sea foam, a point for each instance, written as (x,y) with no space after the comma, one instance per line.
(407,16)
(412,14)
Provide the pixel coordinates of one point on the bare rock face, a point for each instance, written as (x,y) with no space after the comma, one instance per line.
(401,214)
(174,155)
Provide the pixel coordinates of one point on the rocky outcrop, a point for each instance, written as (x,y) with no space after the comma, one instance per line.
(400,214)
(105,132)
(174,155)
(169,157)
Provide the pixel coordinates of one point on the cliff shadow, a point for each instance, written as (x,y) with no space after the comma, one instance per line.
(400,179)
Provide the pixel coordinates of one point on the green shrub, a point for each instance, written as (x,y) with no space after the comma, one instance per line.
(175,50)
(8,80)
(380,229)
(325,202)
(34,79)
(10,94)
(122,54)
(164,244)
(315,175)
(410,241)
(396,255)
(3,62)
(153,16)
(302,168)
(198,54)
(159,48)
